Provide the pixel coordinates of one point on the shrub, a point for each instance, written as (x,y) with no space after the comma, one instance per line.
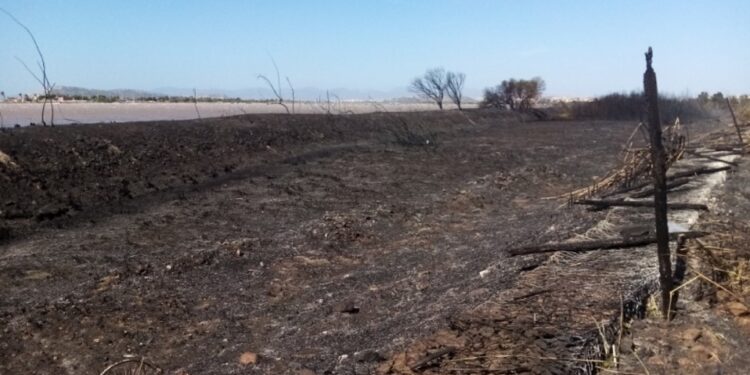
(514,94)
(621,106)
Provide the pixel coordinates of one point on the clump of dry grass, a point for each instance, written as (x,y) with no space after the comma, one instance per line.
(132,366)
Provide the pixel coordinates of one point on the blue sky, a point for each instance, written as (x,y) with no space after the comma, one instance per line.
(581,48)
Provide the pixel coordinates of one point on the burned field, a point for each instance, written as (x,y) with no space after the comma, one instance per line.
(316,242)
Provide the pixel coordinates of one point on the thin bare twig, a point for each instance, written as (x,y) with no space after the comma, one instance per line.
(276,89)
(195,103)
(292,89)
(42,64)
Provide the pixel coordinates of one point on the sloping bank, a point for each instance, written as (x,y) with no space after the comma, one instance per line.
(559,316)
(56,173)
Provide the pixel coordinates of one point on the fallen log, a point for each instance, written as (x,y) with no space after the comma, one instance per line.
(697,171)
(607,244)
(602,204)
(699,155)
(670,185)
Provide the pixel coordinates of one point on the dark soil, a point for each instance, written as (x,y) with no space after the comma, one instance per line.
(317,242)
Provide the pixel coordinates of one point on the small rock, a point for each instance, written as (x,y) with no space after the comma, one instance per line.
(349,307)
(368,356)
(248,358)
(306,371)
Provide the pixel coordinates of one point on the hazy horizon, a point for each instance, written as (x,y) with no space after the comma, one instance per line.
(580,48)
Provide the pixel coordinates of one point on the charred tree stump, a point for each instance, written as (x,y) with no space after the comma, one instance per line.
(659,161)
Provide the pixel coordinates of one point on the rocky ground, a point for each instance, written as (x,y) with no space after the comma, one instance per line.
(273,243)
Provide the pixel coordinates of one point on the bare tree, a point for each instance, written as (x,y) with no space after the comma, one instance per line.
(276,89)
(42,77)
(514,94)
(529,91)
(431,86)
(454,87)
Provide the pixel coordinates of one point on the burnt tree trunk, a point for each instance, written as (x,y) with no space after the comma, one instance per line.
(659,161)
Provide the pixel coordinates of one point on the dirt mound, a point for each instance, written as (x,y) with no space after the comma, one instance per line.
(49,172)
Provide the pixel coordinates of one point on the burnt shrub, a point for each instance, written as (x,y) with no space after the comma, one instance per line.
(632,106)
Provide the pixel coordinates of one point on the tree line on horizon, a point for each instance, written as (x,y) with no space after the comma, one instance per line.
(513,94)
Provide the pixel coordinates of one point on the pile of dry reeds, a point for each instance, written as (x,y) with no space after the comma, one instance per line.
(635,165)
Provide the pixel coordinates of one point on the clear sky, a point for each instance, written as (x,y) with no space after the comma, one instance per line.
(581,48)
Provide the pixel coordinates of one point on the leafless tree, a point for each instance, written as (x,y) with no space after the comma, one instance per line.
(276,89)
(454,86)
(41,77)
(331,104)
(431,86)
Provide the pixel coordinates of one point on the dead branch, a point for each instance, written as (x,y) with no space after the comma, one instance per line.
(42,65)
(143,367)
(670,185)
(602,204)
(276,89)
(674,177)
(606,244)
(697,171)
(195,103)
(288,81)
(431,357)
(708,157)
